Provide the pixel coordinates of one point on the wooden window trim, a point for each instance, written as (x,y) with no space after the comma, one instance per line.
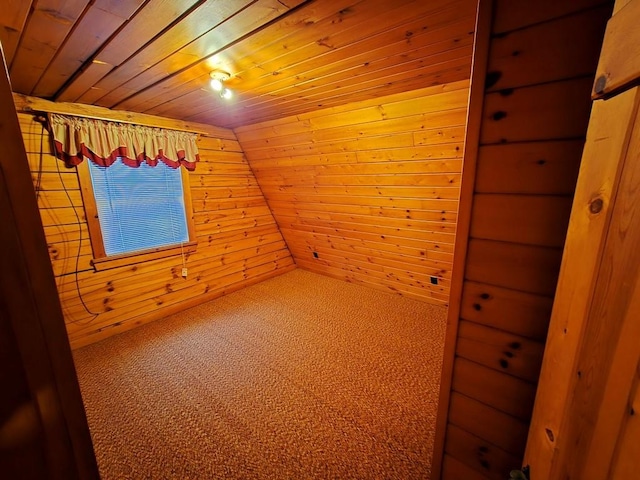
(100,259)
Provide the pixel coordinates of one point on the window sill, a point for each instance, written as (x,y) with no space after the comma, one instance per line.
(115,261)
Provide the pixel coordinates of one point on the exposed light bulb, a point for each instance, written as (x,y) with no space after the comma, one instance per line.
(217,84)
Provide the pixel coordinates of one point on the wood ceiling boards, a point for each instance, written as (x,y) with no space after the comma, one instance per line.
(286,57)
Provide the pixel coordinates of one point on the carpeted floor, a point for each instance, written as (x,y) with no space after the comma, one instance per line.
(299,377)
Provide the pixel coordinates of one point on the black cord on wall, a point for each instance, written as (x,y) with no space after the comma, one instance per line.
(43,121)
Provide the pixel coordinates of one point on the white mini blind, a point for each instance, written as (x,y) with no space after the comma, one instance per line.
(139,208)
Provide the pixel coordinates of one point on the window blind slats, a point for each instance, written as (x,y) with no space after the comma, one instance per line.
(139,208)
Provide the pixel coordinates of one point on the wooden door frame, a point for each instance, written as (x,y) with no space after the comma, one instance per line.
(35,319)
(589,371)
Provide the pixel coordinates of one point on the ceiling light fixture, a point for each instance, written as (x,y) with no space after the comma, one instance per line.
(217,84)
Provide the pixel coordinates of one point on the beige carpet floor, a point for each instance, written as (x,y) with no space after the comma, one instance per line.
(299,377)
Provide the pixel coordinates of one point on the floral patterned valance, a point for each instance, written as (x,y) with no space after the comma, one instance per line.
(103,142)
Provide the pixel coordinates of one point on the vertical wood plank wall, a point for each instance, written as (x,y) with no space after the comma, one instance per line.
(238,242)
(584,422)
(542,59)
(43,426)
(368,192)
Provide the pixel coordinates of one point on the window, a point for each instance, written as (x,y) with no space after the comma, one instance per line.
(139,208)
(136,214)
(135,187)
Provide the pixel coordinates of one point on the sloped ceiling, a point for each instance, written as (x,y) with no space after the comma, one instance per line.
(285,57)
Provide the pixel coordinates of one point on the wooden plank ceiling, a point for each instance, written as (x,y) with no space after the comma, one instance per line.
(286,57)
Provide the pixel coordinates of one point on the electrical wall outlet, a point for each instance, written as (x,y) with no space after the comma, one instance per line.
(184,272)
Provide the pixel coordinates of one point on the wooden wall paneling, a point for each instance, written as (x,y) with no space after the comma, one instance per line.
(379,282)
(555,110)
(44,428)
(59,216)
(444,151)
(374,242)
(311,209)
(533,125)
(526,268)
(479,454)
(222,245)
(411,266)
(334,115)
(542,167)
(55,200)
(127,310)
(495,389)
(520,313)
(516,56)
(481,45)
(453,468)
(401,272)
(512,15)
(439,100)
(620,60)
(371,178)
(385,191)
(498,428)
(364,202)
(597,186)
(387,253)
(397,232)
(57,182)
(524,219)
(502,351)
(163,289)
(85,335)
(118,286)
(239,242)
(433,204)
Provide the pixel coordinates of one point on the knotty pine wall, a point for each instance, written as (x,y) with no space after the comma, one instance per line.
(368,192)
(541,63)
(238,242)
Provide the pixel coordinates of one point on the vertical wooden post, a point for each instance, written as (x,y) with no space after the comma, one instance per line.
(471,144)
(584,407)
(607,138)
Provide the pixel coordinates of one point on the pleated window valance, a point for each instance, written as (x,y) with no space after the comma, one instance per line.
(103,142)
